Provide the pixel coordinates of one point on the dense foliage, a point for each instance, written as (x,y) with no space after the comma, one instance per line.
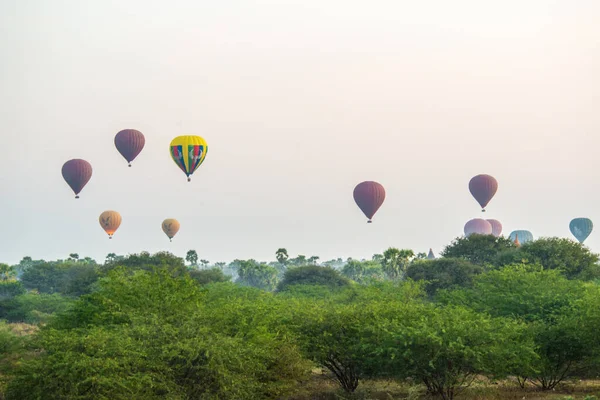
(148,326)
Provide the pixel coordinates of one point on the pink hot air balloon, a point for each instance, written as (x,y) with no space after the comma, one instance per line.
(479,226)
(483,188)
(129,142)
(369,196)
(496,227)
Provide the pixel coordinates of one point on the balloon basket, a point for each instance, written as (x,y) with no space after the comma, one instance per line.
(369,222)
(76,197)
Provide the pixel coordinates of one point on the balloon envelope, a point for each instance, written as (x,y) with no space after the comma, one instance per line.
(483,188)
(188,152)
(496,227)
(478,226)
(77,174)
(369,196)
(581,228)
(524,236)
(110,222)
(170,227)
(129,142)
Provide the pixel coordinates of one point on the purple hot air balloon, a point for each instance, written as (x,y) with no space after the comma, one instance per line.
(479,226)
(369,196)
(496,227)
(483,188)
(77,173)
(129,142)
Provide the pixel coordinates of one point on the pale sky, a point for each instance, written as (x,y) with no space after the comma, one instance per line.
(299,101)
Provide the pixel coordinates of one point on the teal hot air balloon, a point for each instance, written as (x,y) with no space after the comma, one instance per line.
(581,228)
(524,236)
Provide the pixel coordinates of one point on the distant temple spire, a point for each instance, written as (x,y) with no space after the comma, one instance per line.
(430,256)
(517,243)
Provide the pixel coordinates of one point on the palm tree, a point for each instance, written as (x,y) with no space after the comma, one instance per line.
(282,255)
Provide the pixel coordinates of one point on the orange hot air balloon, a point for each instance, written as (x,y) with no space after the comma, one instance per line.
(170,227)
(110,222)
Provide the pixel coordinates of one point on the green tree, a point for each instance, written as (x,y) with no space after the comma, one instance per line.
(298,261)
(10,289)
(395,262)
(192,257)
(153,336)
(445,348)
(252,273)
(443,273)
(363,272)
(282,256)
(73,256)
(7,272)
(204,263)
(33,308)
(149,262)
(547,301)
(312,260)
(221,265)
(207,276)
(312,275)
(571,258)
(478,249)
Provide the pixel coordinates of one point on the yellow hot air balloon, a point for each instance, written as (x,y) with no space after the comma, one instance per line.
(110,221)
(188,152)
(170,227)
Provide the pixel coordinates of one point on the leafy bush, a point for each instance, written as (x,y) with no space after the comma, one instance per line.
(443,273)
(150,335)
(312,275)
(32,307)
(206,276)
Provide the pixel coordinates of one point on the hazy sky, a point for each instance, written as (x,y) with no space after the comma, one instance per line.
(299,100)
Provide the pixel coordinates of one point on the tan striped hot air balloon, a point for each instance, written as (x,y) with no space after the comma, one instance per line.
(110,222)
(170,227)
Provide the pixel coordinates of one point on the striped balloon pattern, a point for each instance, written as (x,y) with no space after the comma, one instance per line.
(581,228)
(369,196)
(478,226)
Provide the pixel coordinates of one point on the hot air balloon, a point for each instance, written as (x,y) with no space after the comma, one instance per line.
(129,142)
(170,227)
(188,152)
(110,222)
(369,196)
(77,174)
(581,228)
(524,236)
(478,226)
(496,227)
(483,188)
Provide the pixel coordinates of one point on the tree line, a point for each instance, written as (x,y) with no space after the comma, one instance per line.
(147,326)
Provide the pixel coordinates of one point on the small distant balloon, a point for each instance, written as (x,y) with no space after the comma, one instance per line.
(77,174)
(110,222)
(483,188)
(496,227)
(129,142)
(581,228)
(170,227)
(188,152)
(478,226)
(524,236)
(369,196)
